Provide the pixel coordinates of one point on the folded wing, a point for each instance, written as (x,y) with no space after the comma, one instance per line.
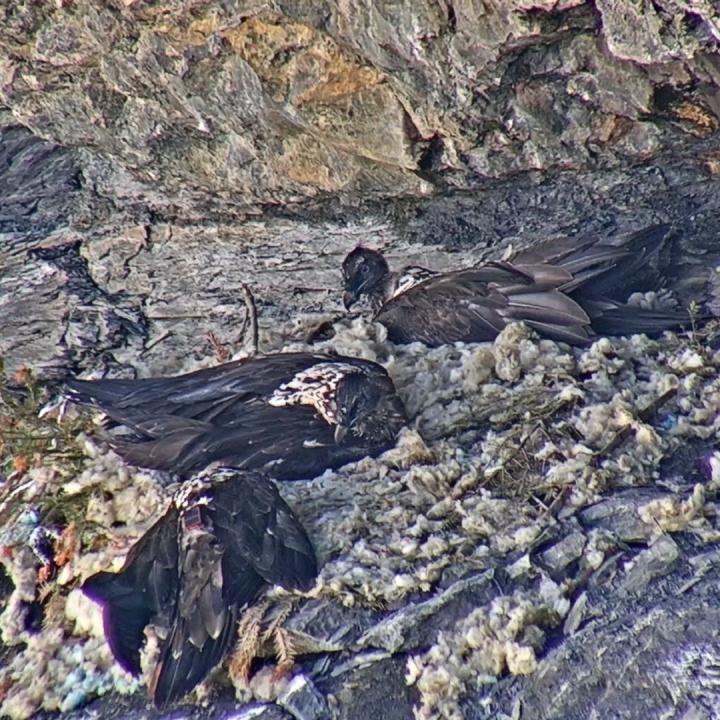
(236,539)
(474,305)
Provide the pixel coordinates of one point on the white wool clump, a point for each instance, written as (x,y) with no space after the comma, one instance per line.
(134,494)
(511,347)
(100,511)
(698,401)
(598,423)
(688,360)
(500,432)
(263,686)
(584,481)
(713,463)
(673,514)
(21,566)
(409,449)
(57,672)
(599,545)
(85,614)
(599,358)
(54,670)
(389,536)
(434,547)
(426,377)
(140,501)
(435,479)
(357,338)
(520,659)
(497,521)
(41,480)
(477,368)
(653,300)
(553,595)
(362,339)
(110,558)
(479,649)
(646,436)
(524,536)
(571,393)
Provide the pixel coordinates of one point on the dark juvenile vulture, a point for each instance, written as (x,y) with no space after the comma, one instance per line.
(570,291)
(293,415)
(226,536)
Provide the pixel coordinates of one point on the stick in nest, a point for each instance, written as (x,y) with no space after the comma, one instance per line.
(250,322)
(644,415)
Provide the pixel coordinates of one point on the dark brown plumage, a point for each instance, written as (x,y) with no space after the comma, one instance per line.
(226,536)
(294,414)
(570,291)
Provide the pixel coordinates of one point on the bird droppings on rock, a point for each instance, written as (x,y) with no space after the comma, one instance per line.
(505,438)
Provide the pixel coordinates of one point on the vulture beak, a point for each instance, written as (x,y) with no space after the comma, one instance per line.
(349,299)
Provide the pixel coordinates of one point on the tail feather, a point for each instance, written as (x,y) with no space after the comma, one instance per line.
(99,392)
(549,307)
(616,271)
(622,319)
(609,264)
(183,664)
(163,453)
(572,334)
(142,592)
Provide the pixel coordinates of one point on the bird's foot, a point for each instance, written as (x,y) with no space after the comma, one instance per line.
(284,652)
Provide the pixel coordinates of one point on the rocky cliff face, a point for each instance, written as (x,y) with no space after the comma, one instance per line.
(154,156)
(190,107)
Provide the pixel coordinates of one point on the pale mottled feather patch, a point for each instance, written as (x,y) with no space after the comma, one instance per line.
(316,387)
(410,277)
(190,491)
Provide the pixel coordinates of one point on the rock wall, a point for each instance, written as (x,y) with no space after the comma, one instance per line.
(208,106)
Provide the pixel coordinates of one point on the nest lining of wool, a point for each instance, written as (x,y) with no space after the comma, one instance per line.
(500,433)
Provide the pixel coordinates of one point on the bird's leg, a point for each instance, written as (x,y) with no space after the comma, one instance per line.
(281,639)
(254,631)
(285,652)
(249,629)
(250,318)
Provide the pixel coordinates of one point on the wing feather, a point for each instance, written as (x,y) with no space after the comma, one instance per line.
(143,590)
(264,531)
(224,413)
(475,305)
(237,539)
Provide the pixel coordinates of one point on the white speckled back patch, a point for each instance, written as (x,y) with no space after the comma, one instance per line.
(410,277)
(214,474)
(316,387)
(185,497)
